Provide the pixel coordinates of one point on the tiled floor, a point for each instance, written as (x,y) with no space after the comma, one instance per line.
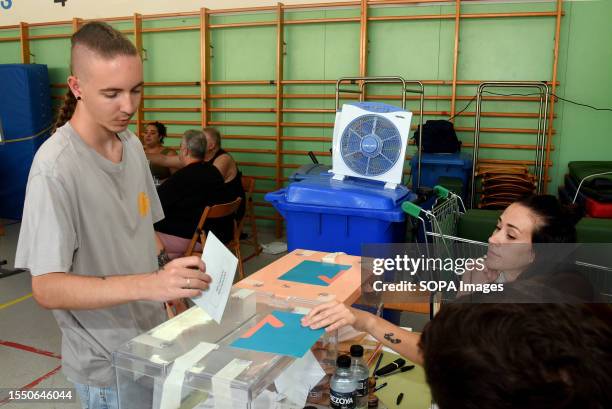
(30,338)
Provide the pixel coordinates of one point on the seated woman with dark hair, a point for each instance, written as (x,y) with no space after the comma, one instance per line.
(226,164)
(533,240)
(510,257)
(152,141)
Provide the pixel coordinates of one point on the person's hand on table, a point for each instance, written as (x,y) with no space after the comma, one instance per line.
(334,315)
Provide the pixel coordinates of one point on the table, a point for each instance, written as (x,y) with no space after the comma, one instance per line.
(411,383)
(346,288)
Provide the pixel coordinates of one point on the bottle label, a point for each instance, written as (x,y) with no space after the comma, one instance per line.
(362,387)
(341,400)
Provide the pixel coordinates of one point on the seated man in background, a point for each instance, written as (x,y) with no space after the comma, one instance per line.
(519,356)
(185,195)
(217,157)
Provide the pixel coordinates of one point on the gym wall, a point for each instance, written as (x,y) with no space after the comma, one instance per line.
(502,48)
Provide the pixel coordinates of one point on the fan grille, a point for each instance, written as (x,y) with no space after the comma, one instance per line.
(370,145)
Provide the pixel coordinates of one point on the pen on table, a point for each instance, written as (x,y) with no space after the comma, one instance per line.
(401,370)
(399,398)
(393,366)
(380,387)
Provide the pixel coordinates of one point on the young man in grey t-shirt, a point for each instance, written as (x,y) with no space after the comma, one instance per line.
(87,230)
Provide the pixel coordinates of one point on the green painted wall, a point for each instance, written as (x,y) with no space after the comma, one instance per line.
(585,72)
(494,49)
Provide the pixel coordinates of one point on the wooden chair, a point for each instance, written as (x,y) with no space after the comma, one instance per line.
(216,212)
(248,184)
(176,307)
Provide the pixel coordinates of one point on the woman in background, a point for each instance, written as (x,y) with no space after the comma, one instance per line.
(226,164)
(153,140)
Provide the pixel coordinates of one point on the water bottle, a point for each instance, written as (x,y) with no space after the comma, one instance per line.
(361,373)
(342,385)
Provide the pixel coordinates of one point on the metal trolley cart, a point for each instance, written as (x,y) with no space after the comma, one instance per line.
(440,223)
(439,227)
(441,241)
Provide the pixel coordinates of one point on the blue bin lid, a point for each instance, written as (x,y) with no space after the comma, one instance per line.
(452,159)
(348,194)
(310,170)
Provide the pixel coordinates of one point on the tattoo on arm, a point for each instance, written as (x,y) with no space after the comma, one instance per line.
(389,337)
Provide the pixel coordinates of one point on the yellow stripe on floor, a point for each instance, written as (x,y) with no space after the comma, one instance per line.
(18,300)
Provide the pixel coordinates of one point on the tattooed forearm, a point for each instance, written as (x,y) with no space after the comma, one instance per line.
(389,337)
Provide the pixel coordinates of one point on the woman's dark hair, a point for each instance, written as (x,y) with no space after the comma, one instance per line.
(104,41)
(557,221)
(552,238)
(519,356)
(553,242)
(161,130)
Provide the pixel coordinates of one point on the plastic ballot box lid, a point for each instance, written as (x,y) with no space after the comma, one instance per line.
(312,275)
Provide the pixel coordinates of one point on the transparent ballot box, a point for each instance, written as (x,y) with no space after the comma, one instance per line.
(188,361)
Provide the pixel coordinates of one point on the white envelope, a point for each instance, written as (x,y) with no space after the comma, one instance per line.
(299,378)
(221,266)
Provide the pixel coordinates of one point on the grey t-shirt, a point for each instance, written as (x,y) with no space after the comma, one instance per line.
(88,216)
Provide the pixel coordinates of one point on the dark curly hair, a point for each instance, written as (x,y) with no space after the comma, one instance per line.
(161,130)
(519,356)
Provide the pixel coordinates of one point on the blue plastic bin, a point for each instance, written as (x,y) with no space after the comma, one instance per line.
(312,170)
(330,215)
(434,165)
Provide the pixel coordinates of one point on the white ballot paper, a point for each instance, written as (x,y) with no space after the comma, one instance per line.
(221,267)
(299,378)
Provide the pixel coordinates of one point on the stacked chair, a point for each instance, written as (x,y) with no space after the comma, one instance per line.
(502,186)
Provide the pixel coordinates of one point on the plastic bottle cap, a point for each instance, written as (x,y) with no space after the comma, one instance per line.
(356,351)
(343,361)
